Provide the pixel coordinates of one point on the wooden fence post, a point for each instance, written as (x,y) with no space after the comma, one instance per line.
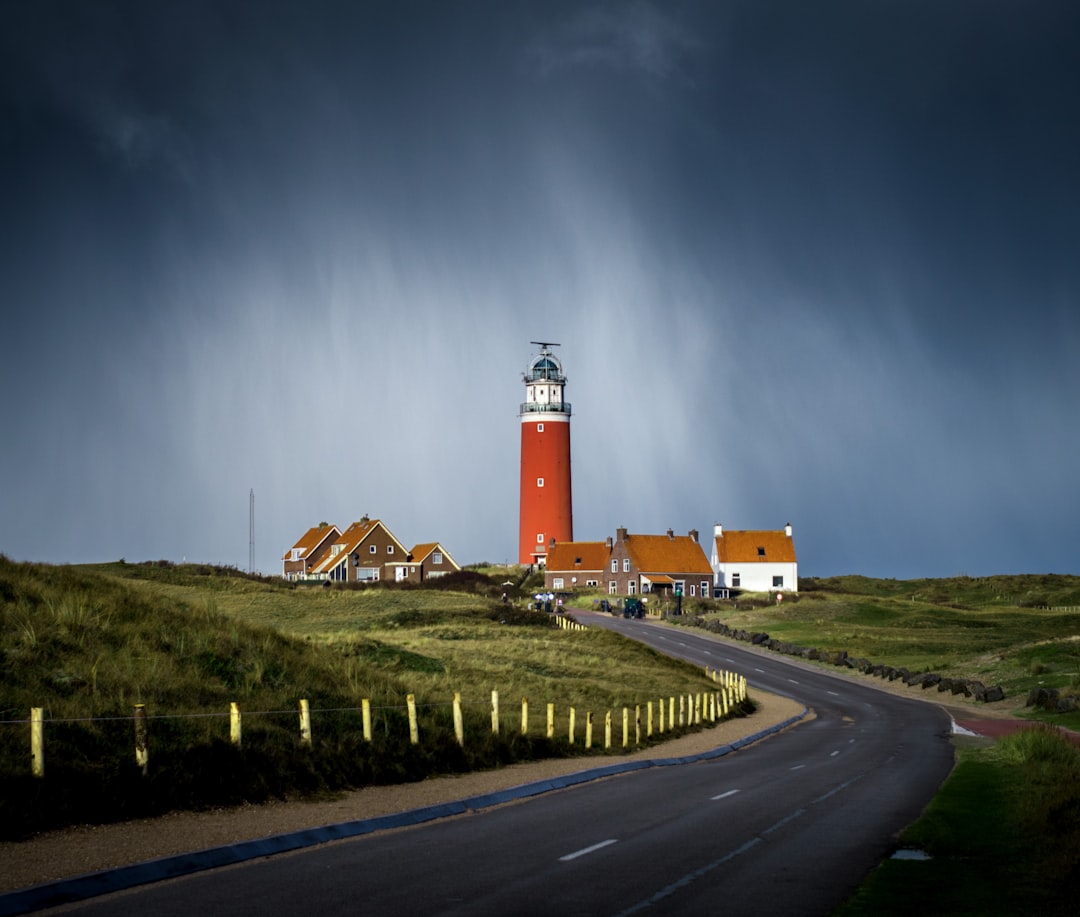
(524,716)
(142,744)
(37,741)
(571,725)
(663,707)
(607,729)
(305,722)
(365,713)
(626,725)
(495,712)
(671,713)
(588,729)
(682,710)
(551,721)
(648,722)
(459,724)
(235,726)
(414,728)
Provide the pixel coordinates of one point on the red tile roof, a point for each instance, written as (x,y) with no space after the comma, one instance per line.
(742,547)
(664,554)
(311,539)
(578,555)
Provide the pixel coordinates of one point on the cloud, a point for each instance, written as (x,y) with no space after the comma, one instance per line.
(638,37)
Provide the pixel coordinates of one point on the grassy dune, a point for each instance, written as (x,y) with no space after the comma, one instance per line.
(88,643)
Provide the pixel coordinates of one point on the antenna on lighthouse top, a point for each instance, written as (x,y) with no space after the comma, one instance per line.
(544,345)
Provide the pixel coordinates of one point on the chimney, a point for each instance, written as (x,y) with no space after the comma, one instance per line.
(718,530)
(620,535)
(787,530)
(608,542)
(694,535)
(670,535)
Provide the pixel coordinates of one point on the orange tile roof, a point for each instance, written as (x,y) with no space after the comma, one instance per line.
(420,553)
(350,540)
(311,539)
(741,547)
(661,554)
(578,555)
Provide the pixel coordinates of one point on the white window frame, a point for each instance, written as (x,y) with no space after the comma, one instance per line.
(612,587)
(539,537)
(539,482)
(557,583)
(389,549)
(591,582)
(626,565)
(436,558)
(614,565)
(539,428)
(373,549)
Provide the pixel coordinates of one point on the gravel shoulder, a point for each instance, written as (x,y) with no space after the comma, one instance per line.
(90,848)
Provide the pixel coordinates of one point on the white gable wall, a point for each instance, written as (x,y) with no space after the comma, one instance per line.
(758,577)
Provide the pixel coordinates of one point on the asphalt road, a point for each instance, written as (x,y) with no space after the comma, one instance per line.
(788,826)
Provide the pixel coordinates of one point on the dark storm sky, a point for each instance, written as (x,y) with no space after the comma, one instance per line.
(808,263)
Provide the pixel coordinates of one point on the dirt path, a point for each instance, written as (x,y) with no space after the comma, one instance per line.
(84,849)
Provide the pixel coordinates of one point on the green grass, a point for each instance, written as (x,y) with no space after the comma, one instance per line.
(88,643)
(1003,836)
(986,629)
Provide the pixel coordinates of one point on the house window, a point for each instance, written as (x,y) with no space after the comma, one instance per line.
(736,580)
(296,553)
(372,549)
(539,482)
(389,549)
(436,558)
(367,574)
(693,589)
(539,428)
(592,582)
(704,588)
(626,565)
(680,587)
(612,587)
(557,583)
(631,587)
(614,566)
(778,582)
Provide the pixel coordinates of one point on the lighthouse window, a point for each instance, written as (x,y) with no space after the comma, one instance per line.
(539,428)
(539,482)
(540,538)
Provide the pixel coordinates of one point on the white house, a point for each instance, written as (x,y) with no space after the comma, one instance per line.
(754,561)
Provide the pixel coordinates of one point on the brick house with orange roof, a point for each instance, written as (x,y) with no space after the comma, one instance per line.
(575,565)
(360,554)
(306,554)
(667,564)
(429,560)
(755,560)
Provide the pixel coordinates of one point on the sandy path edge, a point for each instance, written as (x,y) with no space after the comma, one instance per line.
(90,848)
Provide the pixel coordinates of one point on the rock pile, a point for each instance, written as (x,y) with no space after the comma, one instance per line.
(967,686)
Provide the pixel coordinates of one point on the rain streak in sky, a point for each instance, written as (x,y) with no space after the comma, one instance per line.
(807,263)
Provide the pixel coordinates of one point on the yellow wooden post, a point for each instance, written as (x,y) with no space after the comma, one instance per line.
(305,722)
(459,723)
(663,707)
(495,712)
(671,713)
(37,741)
(588,729)
(648,719)
(697,709)
(142,744)
(524,715)
(551,721)
(637,724)
(414,727)
(571,725)
(365,712)
(625,726)
(234,724)
(682,710)
(607,729)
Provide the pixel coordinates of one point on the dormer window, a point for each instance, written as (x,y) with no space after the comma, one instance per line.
(760,552)
(296,552)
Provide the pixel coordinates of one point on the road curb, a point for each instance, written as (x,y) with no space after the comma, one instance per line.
(103,882)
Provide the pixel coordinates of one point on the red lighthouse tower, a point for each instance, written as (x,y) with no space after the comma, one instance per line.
(546,506)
